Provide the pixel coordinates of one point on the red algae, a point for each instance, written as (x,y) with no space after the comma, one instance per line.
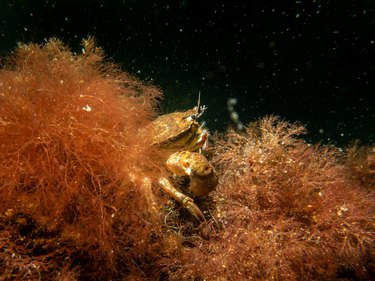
(74,205)
(71,164)
(285,210)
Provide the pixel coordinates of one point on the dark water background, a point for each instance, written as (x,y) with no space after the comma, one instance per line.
(310,61)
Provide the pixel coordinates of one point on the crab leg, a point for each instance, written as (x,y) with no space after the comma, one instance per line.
(186,201)
(149,195)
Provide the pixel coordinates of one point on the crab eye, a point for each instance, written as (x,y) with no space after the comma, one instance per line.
(191,118)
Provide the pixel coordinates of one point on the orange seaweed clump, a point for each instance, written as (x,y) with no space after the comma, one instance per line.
(72,202)
(285,210)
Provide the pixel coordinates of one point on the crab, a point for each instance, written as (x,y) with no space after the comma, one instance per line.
(181,135)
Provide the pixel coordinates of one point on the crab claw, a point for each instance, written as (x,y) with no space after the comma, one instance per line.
(186,201)
(194,209)
(203,178)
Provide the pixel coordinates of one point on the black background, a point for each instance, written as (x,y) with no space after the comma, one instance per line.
(309,61)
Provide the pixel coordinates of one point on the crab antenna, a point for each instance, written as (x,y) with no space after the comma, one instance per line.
(200,109)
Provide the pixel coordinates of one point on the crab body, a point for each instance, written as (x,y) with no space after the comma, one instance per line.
(179,131)
(182,136)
